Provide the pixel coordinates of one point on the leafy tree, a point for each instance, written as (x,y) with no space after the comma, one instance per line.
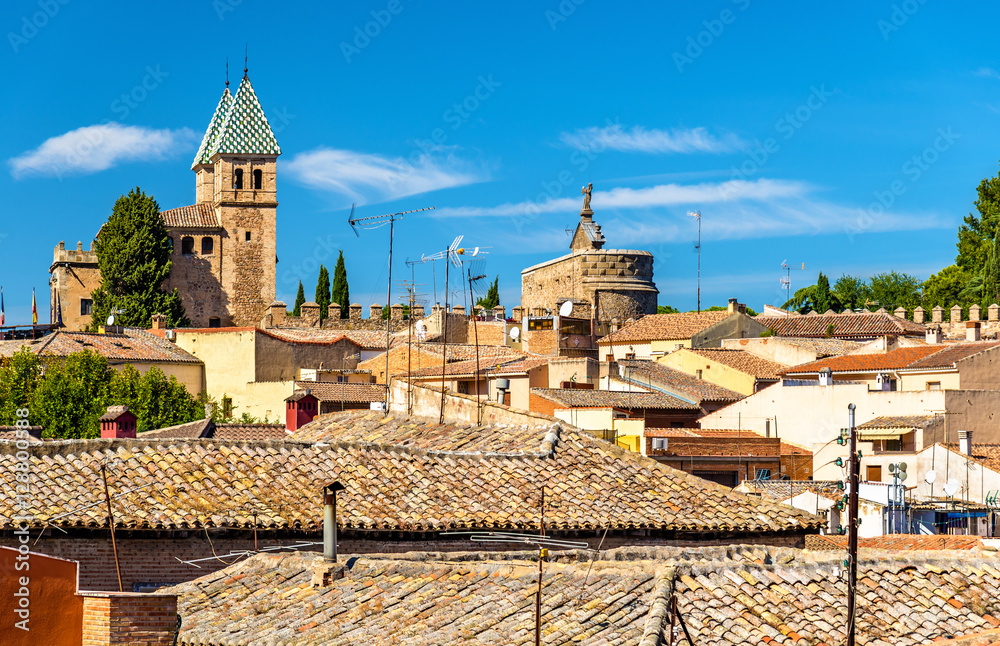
(133,254)
(719,308)
(803,300)
(300,298)
(386,311)
(341,293)
(492,298)
(852,292)
(323,292)
(667,309)
(894,289)
(72,395)
(991,272)
(976,235)
(19,377)
(823,298)
(946,287)
(155,399)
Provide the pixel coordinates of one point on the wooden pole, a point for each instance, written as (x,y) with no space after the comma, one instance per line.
(852,532)
(111,524)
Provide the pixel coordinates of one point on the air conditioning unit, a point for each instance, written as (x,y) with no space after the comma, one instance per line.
(171,335)
(660,443)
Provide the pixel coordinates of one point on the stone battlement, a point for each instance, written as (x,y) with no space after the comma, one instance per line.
(61,254)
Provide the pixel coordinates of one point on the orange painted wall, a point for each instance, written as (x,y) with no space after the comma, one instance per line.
(55,612)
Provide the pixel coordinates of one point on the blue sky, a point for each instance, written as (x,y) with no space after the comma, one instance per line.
(848,137)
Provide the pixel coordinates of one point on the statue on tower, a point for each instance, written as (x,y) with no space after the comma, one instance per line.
(586,191)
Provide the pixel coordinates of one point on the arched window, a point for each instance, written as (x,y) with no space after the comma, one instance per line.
(258,179)
(215,321)
(187,245)
(238,178)
(207,245)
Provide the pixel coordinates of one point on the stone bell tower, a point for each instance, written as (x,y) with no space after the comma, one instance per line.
(235,172)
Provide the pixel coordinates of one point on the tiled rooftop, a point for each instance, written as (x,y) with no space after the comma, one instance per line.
(852,326)
(133,345)
(195,216)
(725,596)
(365,339)
(898,542)
(203,428)
(897,421)
(987,455)
(892,360)
(657,375)
(206,483)
(664,327)
(950,354)
(785,489)
(742,361)
(330,391)
(581,398)
(823,347)
(378,428)
(464,368)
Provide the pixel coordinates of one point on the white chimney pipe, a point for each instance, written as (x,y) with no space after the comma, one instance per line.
(965,442)
(972,331)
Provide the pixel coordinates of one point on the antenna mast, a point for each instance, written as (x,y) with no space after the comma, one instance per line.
(697,216)
(374,222)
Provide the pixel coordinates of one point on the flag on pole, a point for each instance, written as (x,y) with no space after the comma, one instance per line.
(3,316)
(34,308)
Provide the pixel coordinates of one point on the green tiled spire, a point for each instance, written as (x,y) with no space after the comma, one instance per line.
(245,130)
(214,128)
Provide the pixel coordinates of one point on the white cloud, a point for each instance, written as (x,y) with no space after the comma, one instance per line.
(367,178)
(987,72)
(95,148)
(639,139)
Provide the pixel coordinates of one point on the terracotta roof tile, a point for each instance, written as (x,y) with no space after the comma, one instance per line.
(134,345)
(195,216)
(464,368)
(366,339)
(892,360)
(951,354)
(656,375)
(898,421)
(665,327)
(742,361)
(330,391)
(224,431)
(987,455)
(851,326)
(206,483)
(582,398)
(898,542)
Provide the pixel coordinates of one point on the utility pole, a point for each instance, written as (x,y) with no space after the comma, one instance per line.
(697,215)
(852,529)
(475,327)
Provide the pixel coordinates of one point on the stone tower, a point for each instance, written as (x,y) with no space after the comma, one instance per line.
(225,269)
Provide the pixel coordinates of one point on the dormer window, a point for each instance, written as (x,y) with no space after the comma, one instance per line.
(238,178)
(258,179)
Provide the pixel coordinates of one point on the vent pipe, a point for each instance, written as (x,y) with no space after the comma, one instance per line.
(330,520)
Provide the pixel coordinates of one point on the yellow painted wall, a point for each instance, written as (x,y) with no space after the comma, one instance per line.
(663,347)
(711,371)
(918,381)
(629,432)
(229,362)
(264,399)
(641,350)
(190,375)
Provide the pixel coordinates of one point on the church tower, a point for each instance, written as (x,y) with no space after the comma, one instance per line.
(235,171)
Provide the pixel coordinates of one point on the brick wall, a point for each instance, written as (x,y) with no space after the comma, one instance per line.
(133,619)
(490,332)
(542,405)
(752,445)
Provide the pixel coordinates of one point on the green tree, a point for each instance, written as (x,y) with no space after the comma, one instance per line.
(341,293)
(323,292)
(133,254)
(991,272)
(894,289)
(802,300)
(976,235)
(72,394)
(492,298)
(156,400)
(851,291)
(823,298)
(667,309)
(387,311)
(19,377)
(300,298)
(945,288)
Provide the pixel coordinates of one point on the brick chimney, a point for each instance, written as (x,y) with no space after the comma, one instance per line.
(159,322)
(118,423)
(972,331)
(300,409)
(965,442)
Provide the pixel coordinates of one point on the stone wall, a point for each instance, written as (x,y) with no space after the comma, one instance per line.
(74,275)
(622,281)
(197,276)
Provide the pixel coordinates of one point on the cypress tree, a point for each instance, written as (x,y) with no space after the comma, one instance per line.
(300,298)
(133,254)
(323,292)
(341,290)
(492,298)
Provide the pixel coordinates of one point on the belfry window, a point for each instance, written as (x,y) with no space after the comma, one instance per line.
(238,178)
(258,179)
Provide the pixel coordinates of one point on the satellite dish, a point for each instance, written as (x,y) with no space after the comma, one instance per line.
(902,466)
(902,476)
(421,329)
(951,487)
(514,333)
(892,468)
(930,477)
(566,308)
(111,320)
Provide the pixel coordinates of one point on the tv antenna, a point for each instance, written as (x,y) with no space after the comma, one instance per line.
(452,256)
(412,298)
(697,216)
(786,280)
(475,328)
(375,222)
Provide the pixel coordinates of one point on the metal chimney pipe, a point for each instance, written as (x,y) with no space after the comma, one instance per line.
(330,520)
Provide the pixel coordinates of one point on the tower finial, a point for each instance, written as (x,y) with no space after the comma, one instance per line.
(246,55)
(227,71)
